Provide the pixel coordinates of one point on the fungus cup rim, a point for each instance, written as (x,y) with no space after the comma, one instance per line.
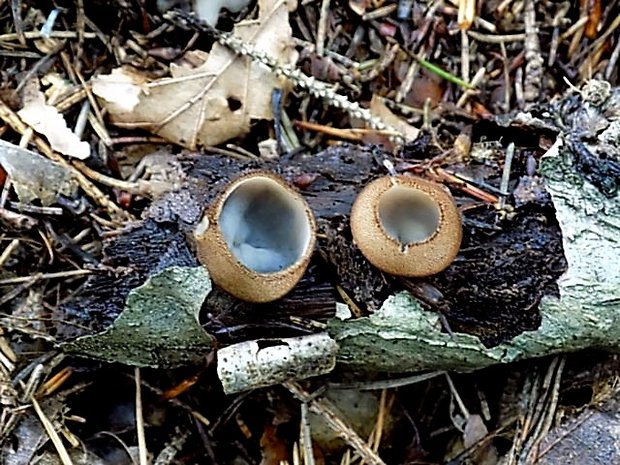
(225,267)
(416,259)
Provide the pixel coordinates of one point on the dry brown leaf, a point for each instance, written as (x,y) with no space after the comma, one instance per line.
(378,109)
(46,120)
(274,449)
(216,101)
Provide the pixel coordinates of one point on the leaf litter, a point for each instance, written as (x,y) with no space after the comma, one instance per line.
(215,101)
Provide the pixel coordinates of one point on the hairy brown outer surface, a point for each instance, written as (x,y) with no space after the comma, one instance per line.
(418,259)
(231,275)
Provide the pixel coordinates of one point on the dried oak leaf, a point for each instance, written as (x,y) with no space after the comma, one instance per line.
(215,101)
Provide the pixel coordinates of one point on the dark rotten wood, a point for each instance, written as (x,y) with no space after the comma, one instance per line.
(491,290)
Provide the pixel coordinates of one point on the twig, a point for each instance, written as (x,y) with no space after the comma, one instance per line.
(16,10)
(42,63)
(476,81)
(613,62)
(305,437)
(80,26)
(6,253)
(142,452)
(457,397)
(380,12)
(548,405)
(444,176)
(387,58)
(377,434)
(38,35)
(388,383)
(555,42)
(39,276)
(345,134)
(178,403)
(503,186)
(91,98)
(464,56)
(534,62)
(29,208)
(8,296)
(322,27)
(53,435)
(496,38)
(581,22)
(131,187)
(506,69)
(326,410)
(54,383)
(123,444)
(520,100)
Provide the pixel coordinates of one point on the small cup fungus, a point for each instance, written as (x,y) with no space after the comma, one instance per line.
(257,238)
(406,226)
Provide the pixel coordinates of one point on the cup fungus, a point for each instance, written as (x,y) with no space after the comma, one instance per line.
(257,237)
(406,226)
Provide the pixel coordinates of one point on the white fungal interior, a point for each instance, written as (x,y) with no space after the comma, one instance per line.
(408,215)
(266,228)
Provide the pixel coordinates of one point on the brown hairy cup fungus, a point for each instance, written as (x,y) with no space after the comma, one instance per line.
(257,237)
(406,226)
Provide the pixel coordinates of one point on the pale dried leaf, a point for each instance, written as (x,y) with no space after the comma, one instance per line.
(121,88)
(46,120)
(217,100)
(475,432)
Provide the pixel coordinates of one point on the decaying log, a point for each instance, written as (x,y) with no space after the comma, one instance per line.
(492,289)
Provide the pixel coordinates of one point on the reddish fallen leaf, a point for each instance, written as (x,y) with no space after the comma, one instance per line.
(425,86)
(274,450)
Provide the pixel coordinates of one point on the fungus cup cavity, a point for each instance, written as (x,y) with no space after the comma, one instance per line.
(258,239)
(406,226)
(408,215)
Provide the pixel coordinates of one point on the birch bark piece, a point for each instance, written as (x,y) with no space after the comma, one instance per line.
(253,364)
